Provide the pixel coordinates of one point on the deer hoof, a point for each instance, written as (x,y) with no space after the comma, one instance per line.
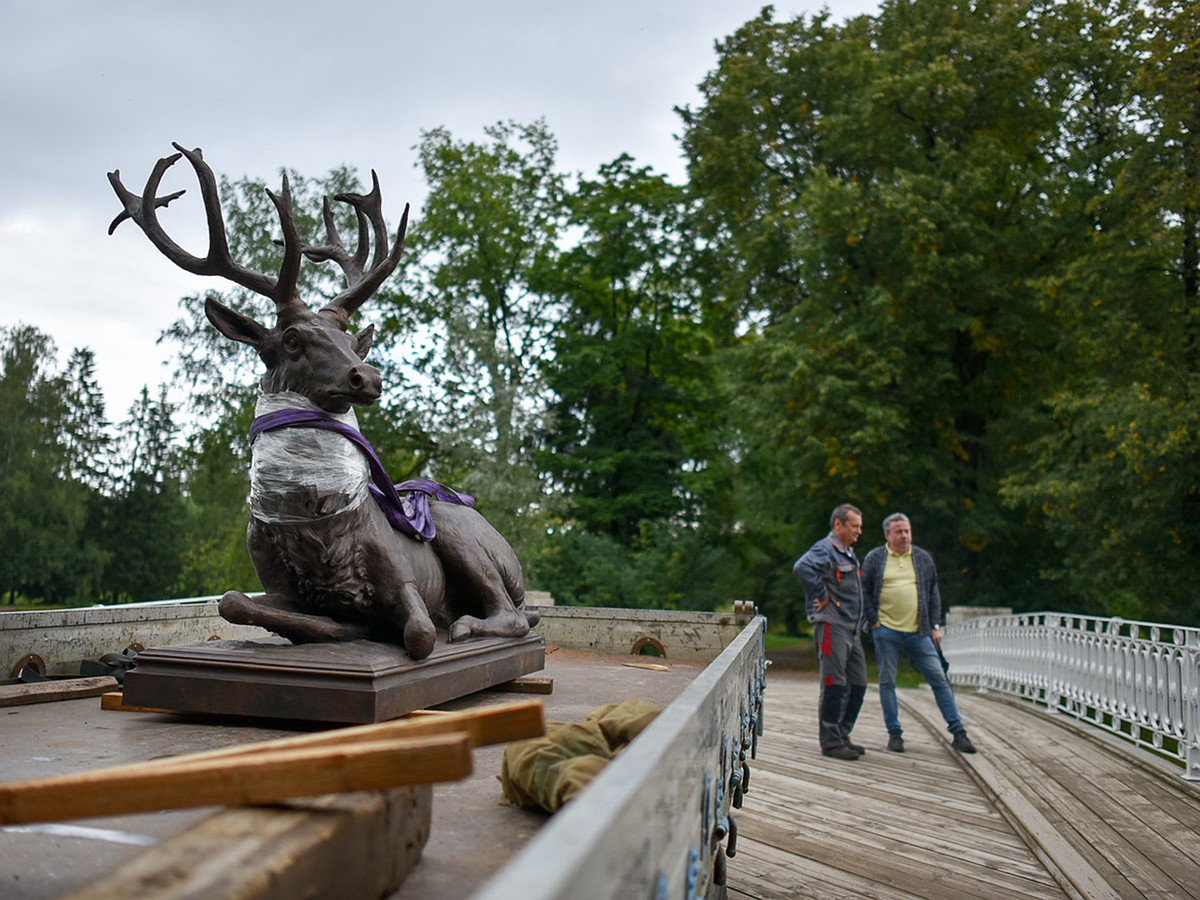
(237,608)
(419,638)
(463,628)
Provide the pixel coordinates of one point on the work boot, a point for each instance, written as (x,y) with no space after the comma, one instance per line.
(962,743)
(857,748)
(895,742)
(839,752)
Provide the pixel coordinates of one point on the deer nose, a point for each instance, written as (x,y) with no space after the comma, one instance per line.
(365,380)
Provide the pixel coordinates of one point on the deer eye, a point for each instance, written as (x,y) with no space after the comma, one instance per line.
(291,342)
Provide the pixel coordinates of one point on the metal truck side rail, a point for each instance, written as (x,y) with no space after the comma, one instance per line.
(660,820)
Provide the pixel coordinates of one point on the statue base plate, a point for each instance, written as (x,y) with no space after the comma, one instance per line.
(355,682)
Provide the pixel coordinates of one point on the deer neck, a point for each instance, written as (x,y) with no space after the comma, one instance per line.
(301,474)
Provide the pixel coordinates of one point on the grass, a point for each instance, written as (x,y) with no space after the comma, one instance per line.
(776,639)
(24,604)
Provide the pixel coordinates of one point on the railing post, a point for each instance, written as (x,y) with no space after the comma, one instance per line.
(1191,707)
(1050,624)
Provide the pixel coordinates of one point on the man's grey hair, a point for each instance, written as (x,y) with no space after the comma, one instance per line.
(842,513)
(892,520)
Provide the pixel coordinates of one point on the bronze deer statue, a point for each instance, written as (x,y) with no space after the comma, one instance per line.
(334,563)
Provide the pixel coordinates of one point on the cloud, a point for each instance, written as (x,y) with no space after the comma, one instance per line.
(87,87)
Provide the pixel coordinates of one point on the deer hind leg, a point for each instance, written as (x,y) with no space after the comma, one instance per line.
(485,583)
(502,617)
(279,614)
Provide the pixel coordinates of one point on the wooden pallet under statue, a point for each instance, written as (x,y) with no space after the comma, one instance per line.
(355,682)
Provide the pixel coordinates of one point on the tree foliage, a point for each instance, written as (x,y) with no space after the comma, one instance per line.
(633,428)
(475,317)
(44,446)
(941,259)
(964,237)
(1111,479)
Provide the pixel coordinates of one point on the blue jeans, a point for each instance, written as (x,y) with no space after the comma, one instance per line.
(923,655)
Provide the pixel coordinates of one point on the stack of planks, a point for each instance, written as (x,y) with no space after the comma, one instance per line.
(337,813)
(424,748)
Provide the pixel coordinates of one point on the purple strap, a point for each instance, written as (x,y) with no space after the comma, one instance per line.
(408,513)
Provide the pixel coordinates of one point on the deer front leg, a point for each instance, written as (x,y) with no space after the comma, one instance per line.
(278,614)
(411,614)
(279,609)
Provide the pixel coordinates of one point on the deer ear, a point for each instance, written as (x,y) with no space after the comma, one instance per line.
(234,325)
(362,341)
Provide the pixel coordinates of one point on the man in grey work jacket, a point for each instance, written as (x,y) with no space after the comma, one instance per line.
(833,600)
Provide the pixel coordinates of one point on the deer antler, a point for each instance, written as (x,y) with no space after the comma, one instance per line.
(143,211)
(360,284)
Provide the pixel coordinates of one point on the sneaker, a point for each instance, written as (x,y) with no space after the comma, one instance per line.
(842,752)
(895,742)
(857,748)
(962,743)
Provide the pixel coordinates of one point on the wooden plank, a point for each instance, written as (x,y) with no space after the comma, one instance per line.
(1109,809)
(885,825)
(764,871)
(1075,870)
(57,689)
(1097,831)
(114,701)
(891,835)
(892,832)
(527,684)
(347,845)
(908,872)
(487,725)
(1132,802)
(245,779)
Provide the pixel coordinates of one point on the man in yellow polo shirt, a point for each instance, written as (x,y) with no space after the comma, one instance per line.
(903,607)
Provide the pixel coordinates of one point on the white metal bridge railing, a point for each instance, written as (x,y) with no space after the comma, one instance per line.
(1137,680)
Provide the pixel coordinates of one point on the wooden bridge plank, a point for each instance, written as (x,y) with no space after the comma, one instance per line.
(894,833)
(886,825)
(1111,810)
(766,873)
(1157,817)
(1136,825)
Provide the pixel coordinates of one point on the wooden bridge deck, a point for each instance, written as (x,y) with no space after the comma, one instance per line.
(1042,810)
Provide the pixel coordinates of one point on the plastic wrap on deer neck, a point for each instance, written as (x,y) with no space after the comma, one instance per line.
(301,474)
(406,506)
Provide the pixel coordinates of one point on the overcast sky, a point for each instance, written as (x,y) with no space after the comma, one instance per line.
(89,86)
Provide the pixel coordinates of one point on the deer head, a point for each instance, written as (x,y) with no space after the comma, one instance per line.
(308,352)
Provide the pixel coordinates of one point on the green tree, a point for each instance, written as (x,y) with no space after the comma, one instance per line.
(634,425)
(216,466)
(43,509)
(1112,476)
(625,357)
(145,518)
(85,436)
(476,317)
(880,186)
